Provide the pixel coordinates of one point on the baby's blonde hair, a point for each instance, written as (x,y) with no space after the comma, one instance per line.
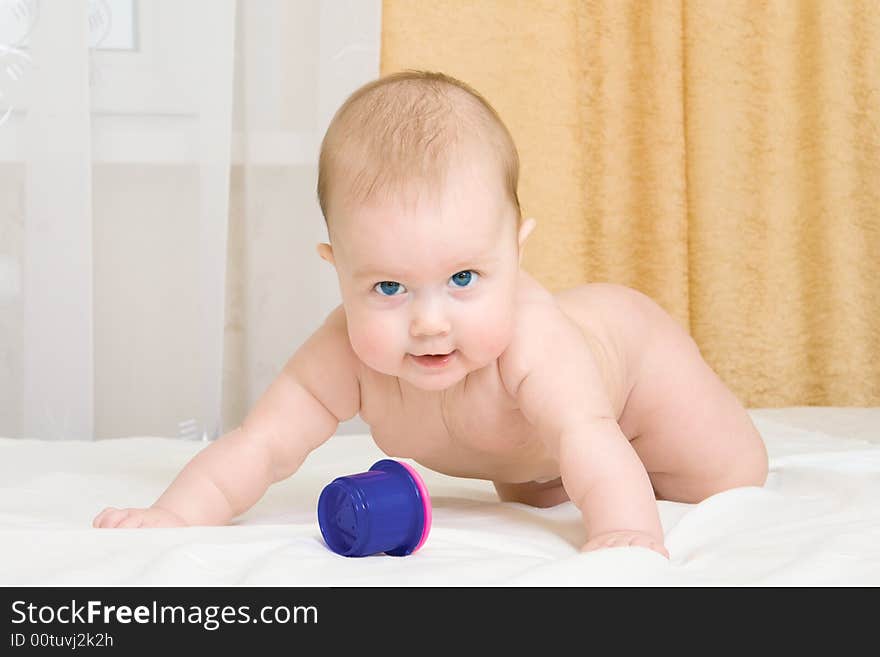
(407,127)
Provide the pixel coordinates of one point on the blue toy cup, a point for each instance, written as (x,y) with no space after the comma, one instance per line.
(386,509)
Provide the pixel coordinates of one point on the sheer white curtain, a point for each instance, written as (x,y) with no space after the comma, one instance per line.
(158,220)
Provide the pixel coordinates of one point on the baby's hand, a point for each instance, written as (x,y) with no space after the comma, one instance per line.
(133,518)
(623,538)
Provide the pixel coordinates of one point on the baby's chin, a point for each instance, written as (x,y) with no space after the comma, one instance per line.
(434,382)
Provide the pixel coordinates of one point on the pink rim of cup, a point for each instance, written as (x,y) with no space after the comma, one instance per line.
(426,503)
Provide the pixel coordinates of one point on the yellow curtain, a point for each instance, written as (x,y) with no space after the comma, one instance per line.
(721,157)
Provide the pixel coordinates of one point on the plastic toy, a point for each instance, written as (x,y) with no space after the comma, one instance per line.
(386,509)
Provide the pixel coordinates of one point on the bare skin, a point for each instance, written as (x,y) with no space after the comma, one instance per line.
(655,381)
(595,391)
(690,434)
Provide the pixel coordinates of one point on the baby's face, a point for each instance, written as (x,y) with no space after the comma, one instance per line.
(435,277)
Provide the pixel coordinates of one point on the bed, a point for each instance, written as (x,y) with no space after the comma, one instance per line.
(815,522)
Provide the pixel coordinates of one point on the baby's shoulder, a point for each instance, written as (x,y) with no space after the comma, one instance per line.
(616,315)
(563,359)
(542,333)
(328,367)
(612,299)
(611,319)
(595,308)
(536,311)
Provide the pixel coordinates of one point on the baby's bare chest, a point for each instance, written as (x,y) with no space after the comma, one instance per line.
(474,429)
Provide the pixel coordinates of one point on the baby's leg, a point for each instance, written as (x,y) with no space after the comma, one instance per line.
(695,438)
(542,495)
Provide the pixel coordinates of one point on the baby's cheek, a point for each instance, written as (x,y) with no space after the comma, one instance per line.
(372,343)
(495,334)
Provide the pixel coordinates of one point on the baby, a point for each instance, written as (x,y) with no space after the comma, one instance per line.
(460,360)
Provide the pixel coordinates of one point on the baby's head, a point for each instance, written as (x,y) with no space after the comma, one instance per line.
(417,182)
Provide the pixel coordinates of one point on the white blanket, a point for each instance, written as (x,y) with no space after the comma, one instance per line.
(815,522)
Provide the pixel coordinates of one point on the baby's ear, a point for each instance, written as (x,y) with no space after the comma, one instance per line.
(326,252)
(524,231)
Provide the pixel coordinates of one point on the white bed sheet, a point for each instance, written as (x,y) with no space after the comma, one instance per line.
(815,522)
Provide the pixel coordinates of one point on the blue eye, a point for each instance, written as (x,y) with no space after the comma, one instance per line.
(388,286)
(462,278)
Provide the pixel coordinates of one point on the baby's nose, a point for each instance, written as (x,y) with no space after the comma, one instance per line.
(429,323)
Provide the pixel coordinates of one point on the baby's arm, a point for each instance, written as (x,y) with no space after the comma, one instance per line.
(317,389)
(556,381)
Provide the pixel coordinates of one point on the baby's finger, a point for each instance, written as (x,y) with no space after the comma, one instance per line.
(111,517)
(97,521)
(643,541)
(659,548)
(149,521)
(652,545)
(156,521)
(133,521)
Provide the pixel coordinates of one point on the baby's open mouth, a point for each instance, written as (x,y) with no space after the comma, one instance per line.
(433,360)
